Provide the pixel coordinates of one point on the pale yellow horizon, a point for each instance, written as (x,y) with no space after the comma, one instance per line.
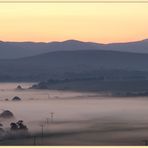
(99,22)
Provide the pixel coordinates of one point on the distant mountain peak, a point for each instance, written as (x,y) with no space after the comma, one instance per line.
(72,41)
(145,40)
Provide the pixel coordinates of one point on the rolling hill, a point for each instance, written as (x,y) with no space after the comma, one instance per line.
(13,50)
(60,63)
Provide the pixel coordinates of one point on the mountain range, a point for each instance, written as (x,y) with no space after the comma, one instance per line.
(13,50)
(63,64)
(72,59)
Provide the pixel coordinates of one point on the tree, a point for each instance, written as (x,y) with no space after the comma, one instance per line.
(13,126)
(18,126)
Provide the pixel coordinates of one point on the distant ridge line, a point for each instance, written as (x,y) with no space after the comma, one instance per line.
(74,1)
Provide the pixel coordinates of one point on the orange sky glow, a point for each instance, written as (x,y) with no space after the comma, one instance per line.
(99,22)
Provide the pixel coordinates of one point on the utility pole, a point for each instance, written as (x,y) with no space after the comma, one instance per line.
(34,140)
(47,120)
(145,142)
(48,96)
(52,113)
(42,132)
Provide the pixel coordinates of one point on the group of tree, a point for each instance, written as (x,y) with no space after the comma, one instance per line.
(18,126)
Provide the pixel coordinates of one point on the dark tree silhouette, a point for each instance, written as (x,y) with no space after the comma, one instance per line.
(1,129)
(21,125)
(16,98)
(13,126)
(6,114)
(18,125)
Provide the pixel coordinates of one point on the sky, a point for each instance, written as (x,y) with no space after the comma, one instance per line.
(96,22)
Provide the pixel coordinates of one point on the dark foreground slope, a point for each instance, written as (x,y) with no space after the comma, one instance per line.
(79,64)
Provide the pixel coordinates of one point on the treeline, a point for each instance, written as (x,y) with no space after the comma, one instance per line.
(117,82)
(53,77)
